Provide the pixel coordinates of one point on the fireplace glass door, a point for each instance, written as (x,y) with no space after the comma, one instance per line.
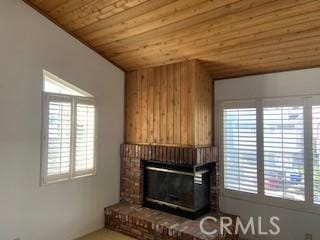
(172,187)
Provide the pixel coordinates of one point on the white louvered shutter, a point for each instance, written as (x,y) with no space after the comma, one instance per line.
(85,137)
(240,148)
(316,153)
(283,136)
(58,116)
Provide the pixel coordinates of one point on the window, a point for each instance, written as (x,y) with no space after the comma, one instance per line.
(283,137)
(316,152)
(240,149)
(270,148)
(69,132)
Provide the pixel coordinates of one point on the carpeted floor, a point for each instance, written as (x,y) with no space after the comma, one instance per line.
(105,234)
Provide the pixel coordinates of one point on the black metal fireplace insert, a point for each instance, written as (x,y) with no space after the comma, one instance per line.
(178,189)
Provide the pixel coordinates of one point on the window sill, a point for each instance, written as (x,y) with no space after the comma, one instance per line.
(297,206)
(68,179)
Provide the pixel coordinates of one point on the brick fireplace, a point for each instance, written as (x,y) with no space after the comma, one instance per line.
(134,155)
(131,218)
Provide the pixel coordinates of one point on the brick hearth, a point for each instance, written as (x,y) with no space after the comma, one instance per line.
(149,224)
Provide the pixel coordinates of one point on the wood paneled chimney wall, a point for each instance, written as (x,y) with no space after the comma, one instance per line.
(169,105)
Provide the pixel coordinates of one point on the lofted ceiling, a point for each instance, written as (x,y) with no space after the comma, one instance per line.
(230,37)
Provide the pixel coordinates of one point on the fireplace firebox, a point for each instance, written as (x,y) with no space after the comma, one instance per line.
(179,189)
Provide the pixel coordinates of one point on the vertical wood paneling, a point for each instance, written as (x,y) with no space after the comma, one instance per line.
(197,112)
(163,104)
(156,106)
(201,110)
(177,105)
(150,106)
(169,105)
(137,101)
(205,103)
(128,107)
(184,103)
(204,112)
(131,105)
(210,109)
(191,103)
(209,112)
(144,106)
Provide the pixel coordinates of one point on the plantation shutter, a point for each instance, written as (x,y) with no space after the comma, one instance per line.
(58,118)
(85,137)
(316,152)
(283,136)
(240,147)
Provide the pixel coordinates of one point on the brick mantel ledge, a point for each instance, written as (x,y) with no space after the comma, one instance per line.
(168,154)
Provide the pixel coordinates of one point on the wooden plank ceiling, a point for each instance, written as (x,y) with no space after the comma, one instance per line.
(231,37)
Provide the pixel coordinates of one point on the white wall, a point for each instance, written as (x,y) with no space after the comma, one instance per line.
(30,43)
(294,224)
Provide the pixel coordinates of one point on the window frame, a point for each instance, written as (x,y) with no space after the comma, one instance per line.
(230,105)
(72,174)
(285,102)
(53,79)
(260,198)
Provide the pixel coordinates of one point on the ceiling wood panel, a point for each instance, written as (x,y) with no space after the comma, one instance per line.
(221,33)
(231,38)
(170,19)
(92,13)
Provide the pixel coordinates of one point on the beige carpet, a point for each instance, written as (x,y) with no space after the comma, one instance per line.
(105,234)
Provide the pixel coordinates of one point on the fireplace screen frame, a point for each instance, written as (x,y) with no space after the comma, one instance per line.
(164,193)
